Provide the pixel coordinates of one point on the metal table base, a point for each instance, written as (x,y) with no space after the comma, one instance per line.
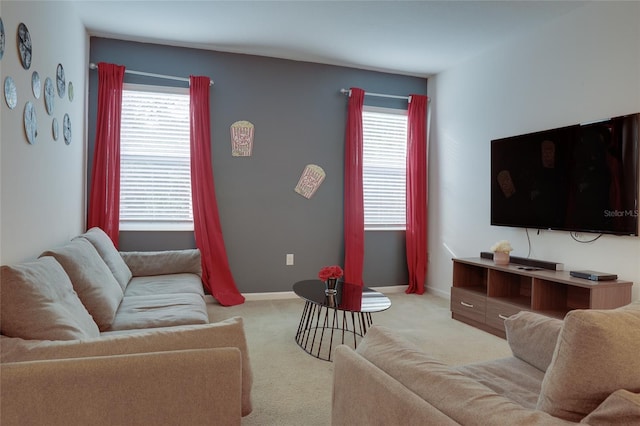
(319,325)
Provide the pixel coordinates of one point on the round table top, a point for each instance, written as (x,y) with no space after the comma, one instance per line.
(349,297)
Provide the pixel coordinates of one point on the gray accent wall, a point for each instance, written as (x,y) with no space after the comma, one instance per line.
(299,116)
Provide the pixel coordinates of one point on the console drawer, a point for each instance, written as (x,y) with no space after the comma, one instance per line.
(468,303)
(498,311)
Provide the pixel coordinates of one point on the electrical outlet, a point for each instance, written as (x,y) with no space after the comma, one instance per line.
(289,260)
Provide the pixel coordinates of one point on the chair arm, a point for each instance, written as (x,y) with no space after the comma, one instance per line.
(193,387)
(228,333)
(533,337)
(145,263)
(364,394)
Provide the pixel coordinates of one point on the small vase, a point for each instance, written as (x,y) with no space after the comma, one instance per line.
(501,258)
(331,286)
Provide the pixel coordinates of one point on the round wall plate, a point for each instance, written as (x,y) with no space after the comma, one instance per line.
(10,93)
(66,129)
(35,84)
(60,81)
(54,129)
(1,39)
(49,95)
(70,90)
(30,122)
(24,46)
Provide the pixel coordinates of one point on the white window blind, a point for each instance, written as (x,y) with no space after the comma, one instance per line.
(384,167)
(155,171)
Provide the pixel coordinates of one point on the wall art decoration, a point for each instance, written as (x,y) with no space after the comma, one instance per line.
(30,122)
(310,180)
(1,39)
(49,95)
(70,90)
(35,84)
(24,46)
(242,138)
(10,93)
(60,81)
(66,129)
(54,129)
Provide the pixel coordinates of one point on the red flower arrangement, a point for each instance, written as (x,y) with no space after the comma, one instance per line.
(327,272)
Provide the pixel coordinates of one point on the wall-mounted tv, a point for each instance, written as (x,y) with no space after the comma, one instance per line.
(581,178)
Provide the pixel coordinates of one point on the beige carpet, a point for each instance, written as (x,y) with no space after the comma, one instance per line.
(293,388)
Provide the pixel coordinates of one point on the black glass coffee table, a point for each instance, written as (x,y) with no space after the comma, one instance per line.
(347,313)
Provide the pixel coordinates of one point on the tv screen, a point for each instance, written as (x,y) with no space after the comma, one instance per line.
(581,178)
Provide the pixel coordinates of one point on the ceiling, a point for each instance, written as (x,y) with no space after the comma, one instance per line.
(419,38)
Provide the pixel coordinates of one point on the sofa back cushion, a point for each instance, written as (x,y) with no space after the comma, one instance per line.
(37,302)
(109,254)
(532,337)
(596,354)
(91,278)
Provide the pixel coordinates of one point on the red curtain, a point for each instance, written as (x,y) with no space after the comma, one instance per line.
(353,198)
(104,196)
(216,273)
(416,230)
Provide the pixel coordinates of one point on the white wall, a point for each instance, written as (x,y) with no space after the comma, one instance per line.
(583,66)
(42,185)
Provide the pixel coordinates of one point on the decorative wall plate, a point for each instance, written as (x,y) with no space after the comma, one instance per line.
(24,46)
(30,122)
(49,95)
(10,93)
(1,38)
(70,89)
(54,128)
(66,129)
(60,81)
(35,84)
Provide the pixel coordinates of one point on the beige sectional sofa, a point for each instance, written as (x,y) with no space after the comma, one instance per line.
(94,336)
(585,369)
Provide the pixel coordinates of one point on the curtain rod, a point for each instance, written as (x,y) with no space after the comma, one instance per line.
(149,74)
(380,95)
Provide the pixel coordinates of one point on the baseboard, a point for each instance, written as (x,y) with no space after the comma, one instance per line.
(440,293)
(280,295)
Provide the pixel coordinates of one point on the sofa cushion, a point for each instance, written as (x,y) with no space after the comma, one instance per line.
(144,263)
(597,354)
(165,284)
(91,278)
(37,301)
(109,254)
(511,377)
(161,310)
(620,408)
(441,385)
(532,337)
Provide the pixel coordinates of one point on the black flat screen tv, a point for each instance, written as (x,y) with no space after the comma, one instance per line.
(580,178)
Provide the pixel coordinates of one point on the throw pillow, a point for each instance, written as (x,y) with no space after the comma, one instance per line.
(37,302)
(532,337)
(109,254)
(91,278)
(596,354)
(620,408)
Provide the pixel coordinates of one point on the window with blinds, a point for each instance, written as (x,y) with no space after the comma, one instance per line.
(384,168)
(155,171)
